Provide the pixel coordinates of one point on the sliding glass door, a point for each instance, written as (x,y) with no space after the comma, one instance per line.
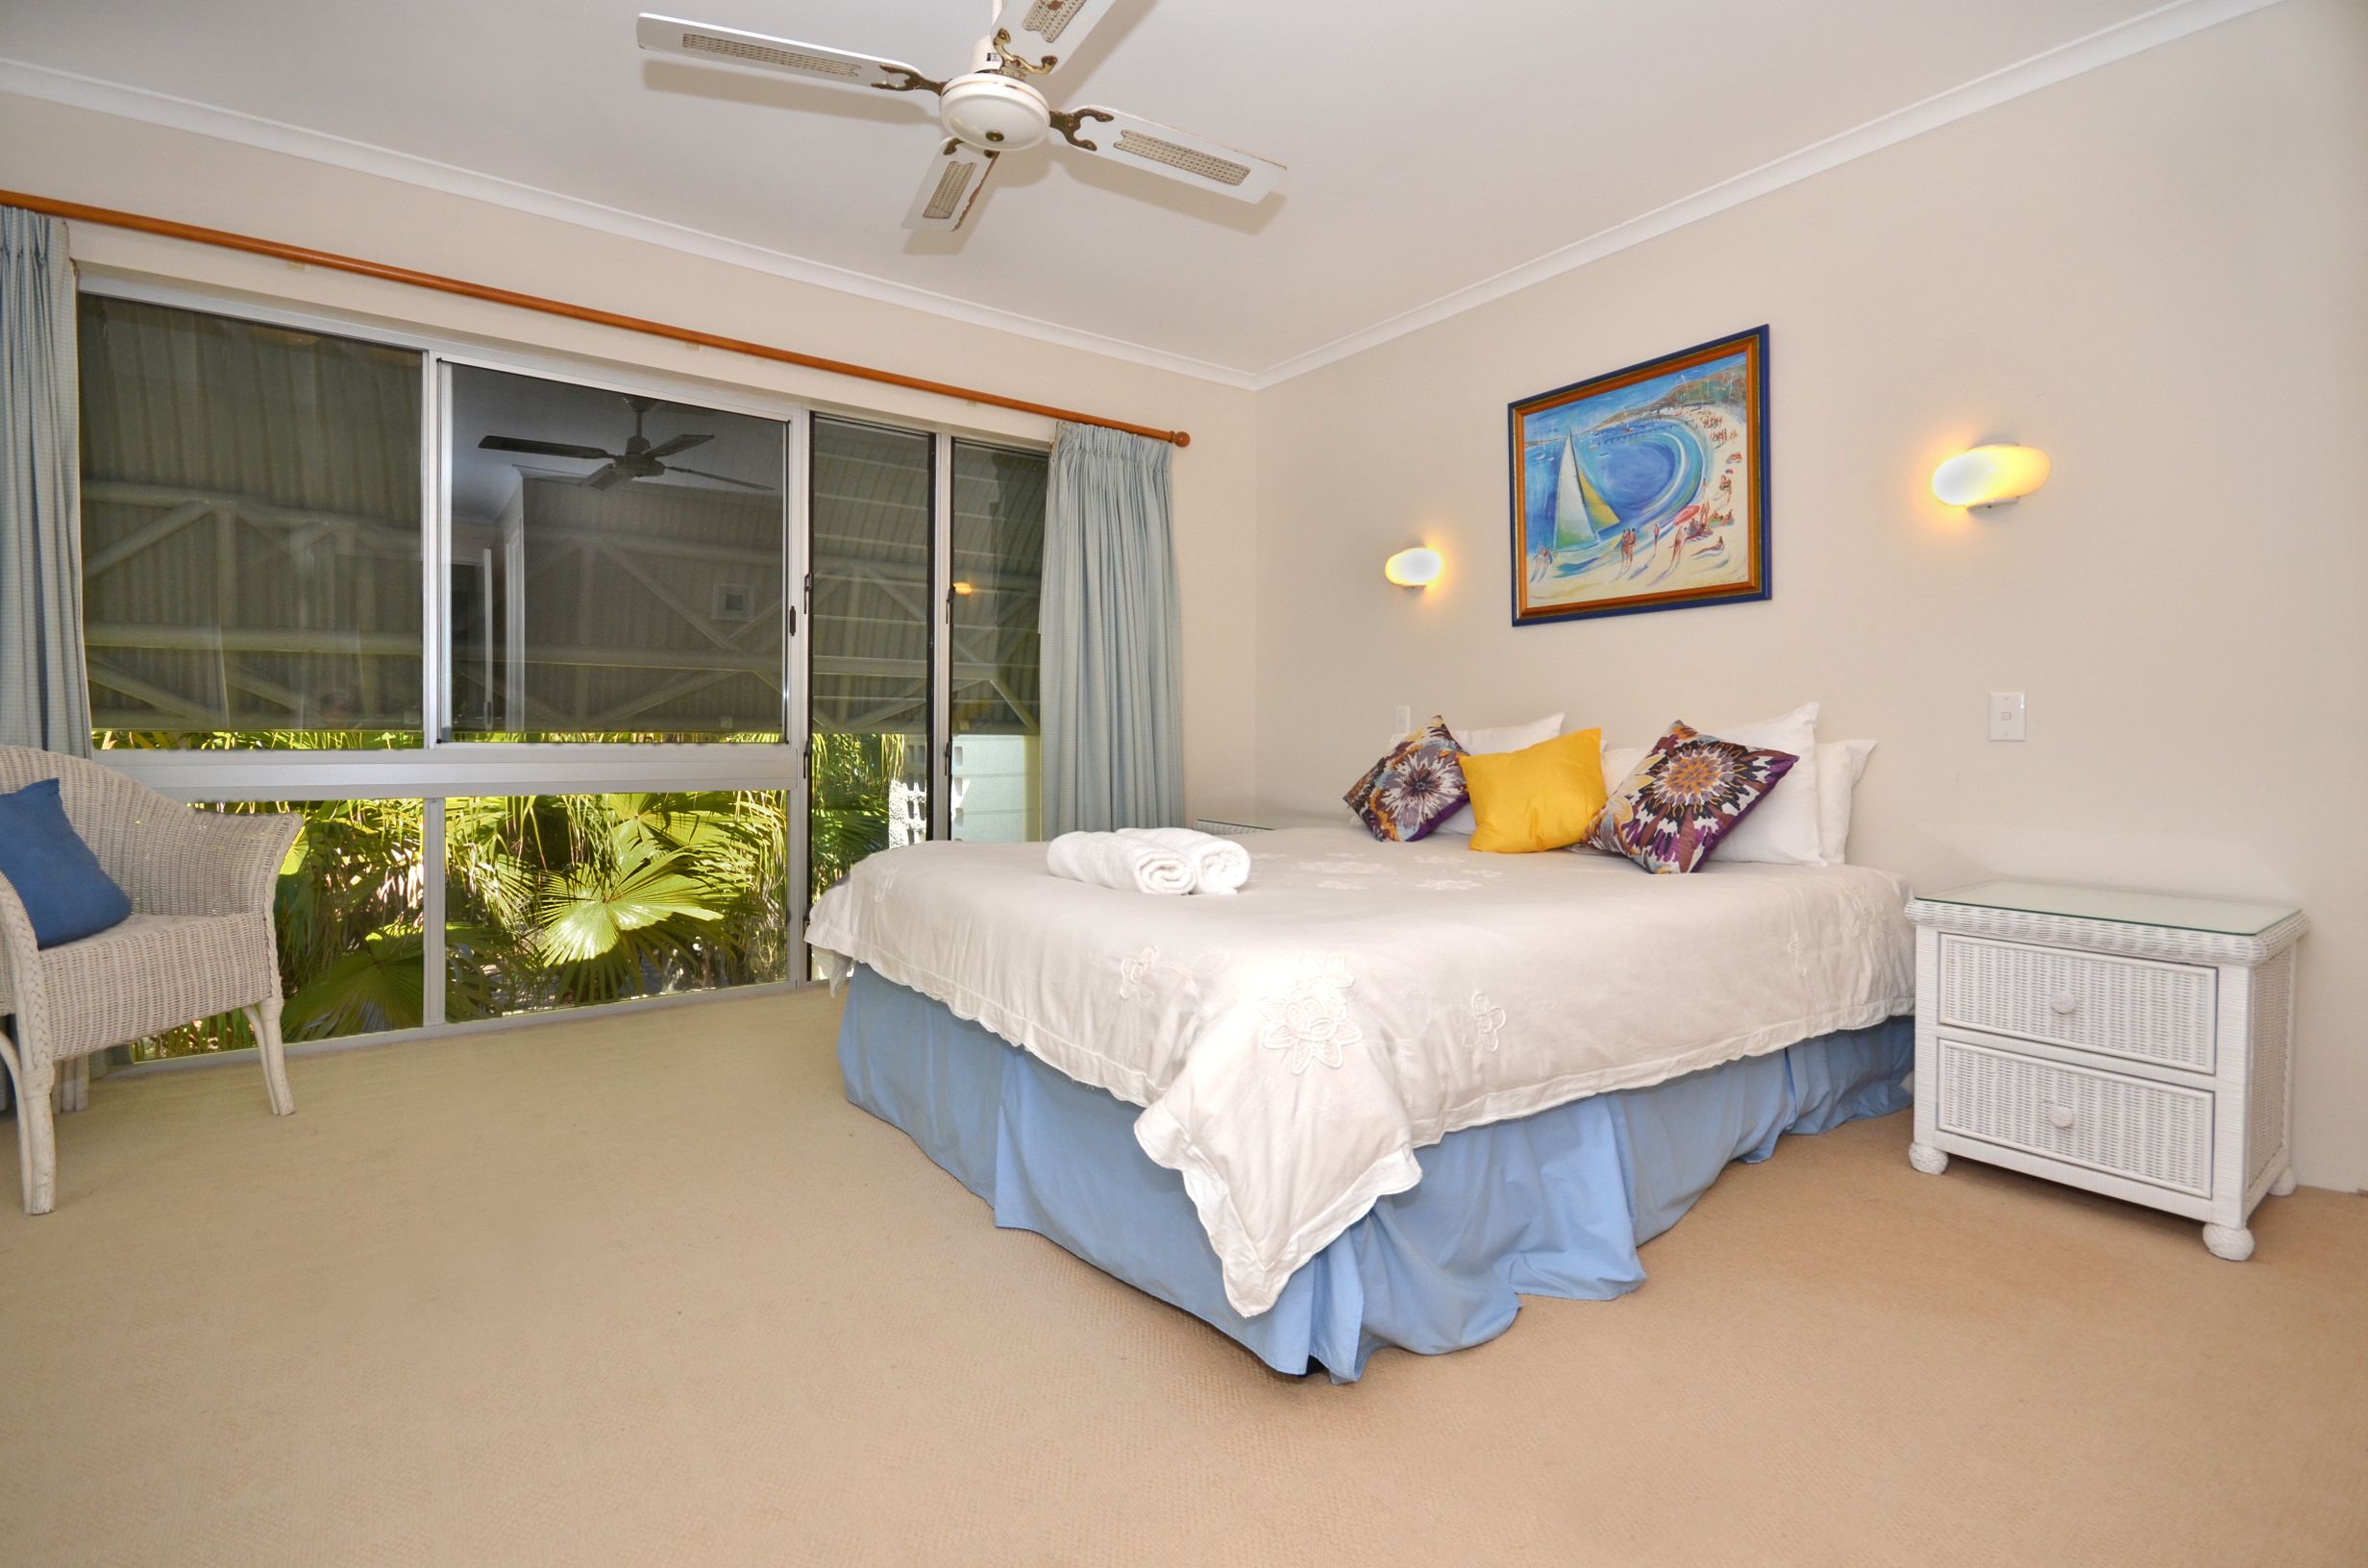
(253,543)
(584,683)
(872,653)
(928,562)
(616,573)
(998,545)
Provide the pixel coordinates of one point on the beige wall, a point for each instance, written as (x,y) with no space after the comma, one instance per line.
(2155,273)
(78,155)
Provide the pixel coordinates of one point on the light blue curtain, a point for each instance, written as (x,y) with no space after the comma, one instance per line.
(44,691)
(1112,739)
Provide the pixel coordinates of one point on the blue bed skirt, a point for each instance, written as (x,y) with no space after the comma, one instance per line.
(1553,1204)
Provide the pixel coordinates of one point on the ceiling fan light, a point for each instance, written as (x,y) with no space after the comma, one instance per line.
(992,110)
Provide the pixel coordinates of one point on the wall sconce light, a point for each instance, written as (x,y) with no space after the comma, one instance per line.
(1988,476)
(1417,568)
(964,589)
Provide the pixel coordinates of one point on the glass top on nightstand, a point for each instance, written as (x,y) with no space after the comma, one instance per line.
(2232,916)
(1268,821)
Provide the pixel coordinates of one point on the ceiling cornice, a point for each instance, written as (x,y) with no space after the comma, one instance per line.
(2162,25)
(2140,33)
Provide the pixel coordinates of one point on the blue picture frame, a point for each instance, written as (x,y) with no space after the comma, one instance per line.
(1645,488)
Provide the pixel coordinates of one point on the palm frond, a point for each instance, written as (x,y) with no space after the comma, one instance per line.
(582,912)
(379,985)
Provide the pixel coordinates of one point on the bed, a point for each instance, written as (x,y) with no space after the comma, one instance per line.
(1382,1091)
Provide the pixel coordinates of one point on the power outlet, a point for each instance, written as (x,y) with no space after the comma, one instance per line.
(2007,713)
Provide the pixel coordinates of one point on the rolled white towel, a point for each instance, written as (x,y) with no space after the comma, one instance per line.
(1111,860)
(1218,864)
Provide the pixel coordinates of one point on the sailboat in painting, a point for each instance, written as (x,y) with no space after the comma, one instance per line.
(1582,517)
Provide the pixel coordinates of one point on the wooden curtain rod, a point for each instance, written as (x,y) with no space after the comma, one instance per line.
(109,217)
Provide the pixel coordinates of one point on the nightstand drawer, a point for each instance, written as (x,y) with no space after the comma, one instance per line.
(2133,1007)
(2150,1132)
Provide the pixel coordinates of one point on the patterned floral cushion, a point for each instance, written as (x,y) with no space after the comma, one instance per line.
(1687,794)
(1413,789)
(1363,788)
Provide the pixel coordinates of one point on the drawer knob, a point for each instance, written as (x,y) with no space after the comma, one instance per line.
(2064,1004)
(2060,1115)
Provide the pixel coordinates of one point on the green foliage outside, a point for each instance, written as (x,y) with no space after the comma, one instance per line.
(850,778)
(551,902)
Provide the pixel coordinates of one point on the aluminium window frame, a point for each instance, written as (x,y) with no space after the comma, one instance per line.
(441,769)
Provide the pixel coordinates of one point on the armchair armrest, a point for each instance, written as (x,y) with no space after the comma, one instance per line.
(20,972)
(209,862)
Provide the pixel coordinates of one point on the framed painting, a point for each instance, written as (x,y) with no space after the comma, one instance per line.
(1644,489)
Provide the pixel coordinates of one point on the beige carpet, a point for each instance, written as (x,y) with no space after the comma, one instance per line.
(648,1291)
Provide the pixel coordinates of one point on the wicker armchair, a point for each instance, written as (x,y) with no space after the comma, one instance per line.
(199,943)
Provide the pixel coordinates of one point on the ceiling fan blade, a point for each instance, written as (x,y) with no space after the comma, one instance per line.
(722,479)
(731,46)
(541,449)
(681,443)
(1044,33)
(605,477)
(1179,155)
(946,191)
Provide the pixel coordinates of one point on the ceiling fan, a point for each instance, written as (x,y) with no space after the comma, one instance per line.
(991,108)
(639,460)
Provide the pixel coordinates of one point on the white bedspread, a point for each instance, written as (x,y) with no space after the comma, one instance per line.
(1293,1047)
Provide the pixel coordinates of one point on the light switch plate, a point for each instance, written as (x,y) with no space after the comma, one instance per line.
(2007,712)
(1405,720)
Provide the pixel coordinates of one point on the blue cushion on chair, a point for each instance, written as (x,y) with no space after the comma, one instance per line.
(64,887)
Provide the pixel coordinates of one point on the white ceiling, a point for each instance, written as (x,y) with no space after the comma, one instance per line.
(1437,154)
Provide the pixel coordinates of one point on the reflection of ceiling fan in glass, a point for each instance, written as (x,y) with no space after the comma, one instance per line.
(639,460)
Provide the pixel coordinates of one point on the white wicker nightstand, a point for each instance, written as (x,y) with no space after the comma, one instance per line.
(2128,1043)
(1263,820)
(1228,828)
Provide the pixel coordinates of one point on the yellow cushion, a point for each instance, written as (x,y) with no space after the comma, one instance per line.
(1544,796)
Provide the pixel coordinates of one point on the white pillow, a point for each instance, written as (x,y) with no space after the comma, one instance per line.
(1840,767)
(1488,742)
(1619,762)
(1783,829)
